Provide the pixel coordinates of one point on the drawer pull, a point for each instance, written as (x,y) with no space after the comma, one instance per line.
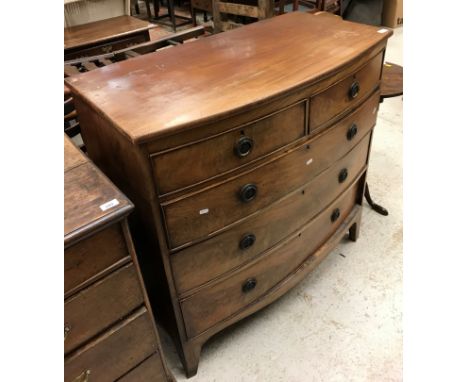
(247,241)
(249,285)
(248,193)
(335,215)
(67,332)
(83,377)
(342,175)
(243,147)
(354,90)
(352,131)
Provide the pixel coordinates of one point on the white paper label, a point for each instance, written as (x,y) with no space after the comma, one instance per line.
(309,161)
(109,204)
(383,30)
(204,211)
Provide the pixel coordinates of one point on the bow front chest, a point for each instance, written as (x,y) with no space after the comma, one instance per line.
(245,154)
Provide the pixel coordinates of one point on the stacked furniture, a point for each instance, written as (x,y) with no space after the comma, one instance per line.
(110,333)
(247,170)
(104,36)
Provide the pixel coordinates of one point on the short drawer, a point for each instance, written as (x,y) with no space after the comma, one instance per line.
(92,256)
(150,370)
(197,264)
(205,159)
(223,299)
(115,352)
(345,94)
(99,306)
(203,213)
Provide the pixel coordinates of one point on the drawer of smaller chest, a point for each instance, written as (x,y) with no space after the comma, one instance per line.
(225,298)
(202,262)
(102,304)
(93,256)
(115,352)
(345,94)
(150,370)
(192,163)
(203,213)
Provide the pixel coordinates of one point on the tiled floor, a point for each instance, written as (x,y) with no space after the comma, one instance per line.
(344,321)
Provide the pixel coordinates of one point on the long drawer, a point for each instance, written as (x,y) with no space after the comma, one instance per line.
(192,163)
(224,298)
(203,213)
(99,306)
(150,370)
(344,94)
(115,352)
(90,257)
(202,262)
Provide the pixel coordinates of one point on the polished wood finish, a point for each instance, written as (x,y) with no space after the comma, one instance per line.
(104,36)
(109,326)
(145,371)
(190,221)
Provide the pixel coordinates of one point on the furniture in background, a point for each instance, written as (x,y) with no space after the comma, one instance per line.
(104,36)
(391,86)
(247,171)
(85,64)
(78,12)
(257,9)
(109,328)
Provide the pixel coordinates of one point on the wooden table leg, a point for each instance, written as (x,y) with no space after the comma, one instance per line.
(156,8)
(377,208)
(148,10)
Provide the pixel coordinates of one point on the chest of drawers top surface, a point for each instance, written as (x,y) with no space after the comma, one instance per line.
(86,192)
(215,77)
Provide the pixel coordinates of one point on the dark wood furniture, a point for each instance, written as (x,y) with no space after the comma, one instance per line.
(85,64)
(109,331)
(104,36)
(246,173)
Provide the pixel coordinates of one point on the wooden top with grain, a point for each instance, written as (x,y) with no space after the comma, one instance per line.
(86,188)
(160,93)
(103,30)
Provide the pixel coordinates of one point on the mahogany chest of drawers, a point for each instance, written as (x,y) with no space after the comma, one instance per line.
(110,332)
(245,154)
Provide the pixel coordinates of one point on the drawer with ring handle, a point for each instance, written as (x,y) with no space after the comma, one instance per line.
(196,215)
(248,284)
(344,95)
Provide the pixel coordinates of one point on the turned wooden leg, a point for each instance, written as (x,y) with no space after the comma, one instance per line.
(191,358)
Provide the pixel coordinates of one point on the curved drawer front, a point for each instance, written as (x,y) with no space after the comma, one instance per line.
(115,352)
(223,299)
(99,306)
(151,370)
(345,94)
(193,163)
(93,255)
(202,262)
(203,213)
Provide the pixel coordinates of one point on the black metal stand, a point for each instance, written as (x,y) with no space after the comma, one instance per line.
(377,208)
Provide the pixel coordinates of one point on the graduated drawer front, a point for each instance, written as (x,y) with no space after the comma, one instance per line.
(115,352)
(99,306)
(202,262)
(203,213)
(198,161)
(225,298)
(337,99)
(150,370)
(93,255)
